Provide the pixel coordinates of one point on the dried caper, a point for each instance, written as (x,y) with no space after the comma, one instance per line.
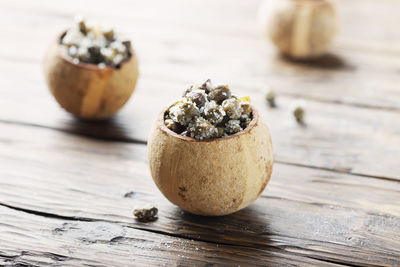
(270,97)
(233,126)
(183,111)
(146,214)
(206,86)
(220,132)
(198,97)
(245,121)
(173,126)
(214,112)
(232,108)
(201,129)
(298,114)
(207,112)
(246,108)
(95,55)
(188,90)
(127,44)
(109,34)
(219,93)
(95,45)
(82,26)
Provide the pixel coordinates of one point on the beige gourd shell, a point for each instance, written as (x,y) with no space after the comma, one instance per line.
(211,177)
(301,29)
(85,90)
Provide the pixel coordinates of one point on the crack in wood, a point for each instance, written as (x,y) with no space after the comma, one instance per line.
(324,205)
(141,142)
(338,170)
(85,219)
(341,102)
(48,215)
(338,262)
(275,248)
(17,260)
(96,137)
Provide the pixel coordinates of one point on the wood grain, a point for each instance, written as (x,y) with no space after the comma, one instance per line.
(345,133)
(361,49)
(68,187)
(344,138)
(100,243)
(305,212)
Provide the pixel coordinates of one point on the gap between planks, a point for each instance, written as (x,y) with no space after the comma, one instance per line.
(85,219)
(341,102)
(143,142)
(319,99)
(276,235)
(287,94)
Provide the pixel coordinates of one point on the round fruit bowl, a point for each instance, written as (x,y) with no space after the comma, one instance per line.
(300,29)
(211,177)
(86,90)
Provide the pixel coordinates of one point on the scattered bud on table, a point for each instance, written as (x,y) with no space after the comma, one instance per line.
(270,97)
(298,114)
(146,214)
(300,29)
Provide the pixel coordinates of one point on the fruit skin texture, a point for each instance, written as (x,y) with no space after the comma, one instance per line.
(85,90)
(211,177)
(300,29)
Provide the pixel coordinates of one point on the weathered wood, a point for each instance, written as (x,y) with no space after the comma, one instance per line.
(369,57)
(35,240)
(334,194)
(307,212)
(351,144)
(343,138)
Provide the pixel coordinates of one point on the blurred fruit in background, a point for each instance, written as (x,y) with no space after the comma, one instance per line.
(300,29)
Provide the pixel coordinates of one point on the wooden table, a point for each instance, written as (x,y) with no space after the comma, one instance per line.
(68,187)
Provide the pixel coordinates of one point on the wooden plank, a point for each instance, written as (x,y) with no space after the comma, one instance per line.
(307,216)
(359,72)
(233,17)
(337,137)
(352,143)
(34,240)
(306,212)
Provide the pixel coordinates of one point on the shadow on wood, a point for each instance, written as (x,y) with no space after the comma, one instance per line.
(112,129)
(233,225)
(327,61)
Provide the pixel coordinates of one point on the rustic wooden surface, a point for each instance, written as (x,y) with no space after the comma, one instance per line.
(68,187)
